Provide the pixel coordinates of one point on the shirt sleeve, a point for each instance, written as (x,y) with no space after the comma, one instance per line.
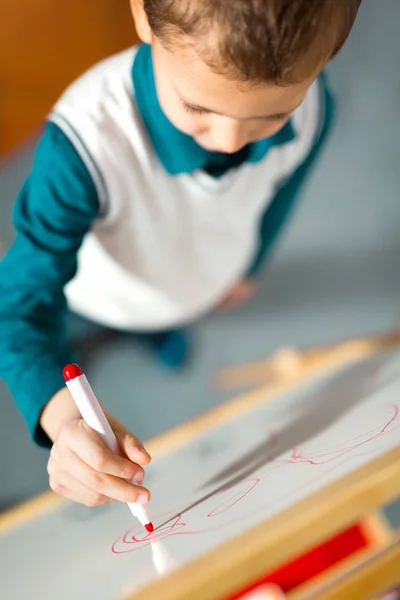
(282,205)
(54,210)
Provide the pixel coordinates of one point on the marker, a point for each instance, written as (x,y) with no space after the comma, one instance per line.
(95,418)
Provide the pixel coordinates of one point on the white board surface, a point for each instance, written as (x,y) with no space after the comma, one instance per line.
(211,489)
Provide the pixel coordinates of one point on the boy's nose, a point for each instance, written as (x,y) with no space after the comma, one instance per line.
(229,136)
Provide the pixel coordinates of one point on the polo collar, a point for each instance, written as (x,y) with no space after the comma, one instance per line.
(178,152)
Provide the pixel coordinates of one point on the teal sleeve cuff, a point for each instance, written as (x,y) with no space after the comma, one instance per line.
(54,210)
(281,207)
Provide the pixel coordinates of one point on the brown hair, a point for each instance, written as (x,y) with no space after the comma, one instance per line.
(278,41)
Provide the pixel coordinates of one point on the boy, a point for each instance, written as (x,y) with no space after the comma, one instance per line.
(171,168)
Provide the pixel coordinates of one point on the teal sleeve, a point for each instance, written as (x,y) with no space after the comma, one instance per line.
(281,207)
(54,210)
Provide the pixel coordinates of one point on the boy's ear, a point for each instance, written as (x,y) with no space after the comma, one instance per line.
(141,23)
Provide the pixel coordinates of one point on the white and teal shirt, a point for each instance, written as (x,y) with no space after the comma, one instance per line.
(131,224)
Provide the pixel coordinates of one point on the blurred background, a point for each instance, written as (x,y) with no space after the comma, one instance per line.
(334,275)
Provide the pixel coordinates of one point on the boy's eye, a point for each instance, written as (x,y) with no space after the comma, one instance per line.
(193,110)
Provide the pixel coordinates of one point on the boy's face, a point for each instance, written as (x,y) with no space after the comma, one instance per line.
(220,114)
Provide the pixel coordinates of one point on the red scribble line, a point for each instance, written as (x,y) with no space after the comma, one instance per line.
(366,433)
(296,456)
(176,526)
(318,477)
(294,493)
(170,528)
(131,542)
(230,503)
(370,433)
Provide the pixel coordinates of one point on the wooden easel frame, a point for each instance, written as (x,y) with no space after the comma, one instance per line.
(232,565)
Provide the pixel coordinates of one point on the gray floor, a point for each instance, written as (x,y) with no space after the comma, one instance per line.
(335,274)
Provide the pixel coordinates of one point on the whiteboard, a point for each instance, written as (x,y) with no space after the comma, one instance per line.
(210,489)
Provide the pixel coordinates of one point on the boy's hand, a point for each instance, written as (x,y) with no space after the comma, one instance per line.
(82,469)
(238,295)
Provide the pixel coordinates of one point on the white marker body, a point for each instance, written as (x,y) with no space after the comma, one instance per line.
(94,416)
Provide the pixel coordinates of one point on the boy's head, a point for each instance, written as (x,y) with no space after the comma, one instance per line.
(230,72)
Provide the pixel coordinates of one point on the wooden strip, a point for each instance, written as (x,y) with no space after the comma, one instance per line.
(234,564)
(377,529)
(390,593)
(31,509)
(280,364)
(288,361)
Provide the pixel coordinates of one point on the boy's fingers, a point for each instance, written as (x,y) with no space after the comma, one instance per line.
(68,486)
(130,445)
(86,444)
(133,448)
(101,483)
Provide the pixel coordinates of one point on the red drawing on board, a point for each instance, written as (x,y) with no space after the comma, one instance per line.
(230,503)
(132,540)
(337,456)
(346,447)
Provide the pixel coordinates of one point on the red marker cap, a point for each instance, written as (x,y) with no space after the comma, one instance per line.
(71,372)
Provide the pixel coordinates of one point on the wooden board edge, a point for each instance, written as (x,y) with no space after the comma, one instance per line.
(32,508)
(287,361)
(377,528)
(236,563)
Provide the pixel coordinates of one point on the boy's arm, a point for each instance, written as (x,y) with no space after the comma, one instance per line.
(55,208)
(277,213)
